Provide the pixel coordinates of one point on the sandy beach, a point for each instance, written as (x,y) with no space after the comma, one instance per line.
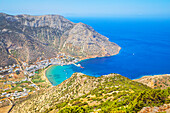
(44,75)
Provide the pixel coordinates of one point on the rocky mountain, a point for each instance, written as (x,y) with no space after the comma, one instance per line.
(161,109)
(26,38)
(156,81)
(86,94)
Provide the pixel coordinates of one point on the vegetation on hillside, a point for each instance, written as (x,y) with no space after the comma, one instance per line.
(122,95)
(84,94)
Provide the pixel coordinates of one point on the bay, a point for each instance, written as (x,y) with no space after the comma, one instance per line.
(145,49)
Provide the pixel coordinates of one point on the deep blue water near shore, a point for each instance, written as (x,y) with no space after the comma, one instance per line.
(145,49)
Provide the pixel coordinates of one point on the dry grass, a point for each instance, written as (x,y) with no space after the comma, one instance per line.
(5,109)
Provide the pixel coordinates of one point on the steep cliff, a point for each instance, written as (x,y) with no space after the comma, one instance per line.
(27,37)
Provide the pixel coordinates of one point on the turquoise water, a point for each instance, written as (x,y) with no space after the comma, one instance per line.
(57,74)
(145,49)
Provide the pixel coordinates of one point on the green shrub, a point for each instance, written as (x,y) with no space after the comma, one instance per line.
(73,109)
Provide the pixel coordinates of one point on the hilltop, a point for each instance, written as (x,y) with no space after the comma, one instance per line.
(25,38)
(82,93)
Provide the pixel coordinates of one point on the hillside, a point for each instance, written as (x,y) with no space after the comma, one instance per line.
(82,93)
(156,81)
(26,38)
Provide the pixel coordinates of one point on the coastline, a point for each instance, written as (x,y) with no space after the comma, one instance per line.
(146,76)
(44,75)
(87,58)
(82,59)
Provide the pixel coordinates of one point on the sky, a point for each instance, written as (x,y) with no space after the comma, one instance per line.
(88,8)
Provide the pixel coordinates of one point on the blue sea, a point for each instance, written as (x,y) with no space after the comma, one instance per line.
(145,49)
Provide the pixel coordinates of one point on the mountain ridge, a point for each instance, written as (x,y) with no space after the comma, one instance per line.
(27,38)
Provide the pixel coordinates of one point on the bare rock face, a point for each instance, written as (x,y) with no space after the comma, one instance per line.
(26,37)
(91,45)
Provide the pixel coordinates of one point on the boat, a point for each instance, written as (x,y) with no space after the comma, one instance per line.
(81,67)
(78,65)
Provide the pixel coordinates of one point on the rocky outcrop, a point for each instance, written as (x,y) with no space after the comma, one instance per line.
(161,109)
(27,37)
(156,81)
